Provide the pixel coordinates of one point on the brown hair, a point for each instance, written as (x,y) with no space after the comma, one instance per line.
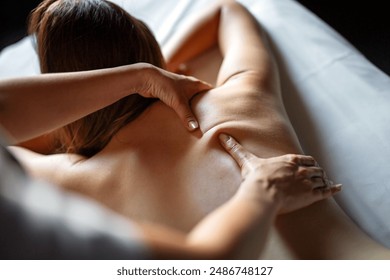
(79,35)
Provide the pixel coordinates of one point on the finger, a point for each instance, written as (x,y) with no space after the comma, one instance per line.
(202,86)
(183,110)
(238,152)
(306,160)
(194,86)
(323,193)
(311,172)
(199,85)
(336,188)
(317,182)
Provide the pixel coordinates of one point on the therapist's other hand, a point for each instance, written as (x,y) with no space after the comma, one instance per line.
(291,181)
(175,91)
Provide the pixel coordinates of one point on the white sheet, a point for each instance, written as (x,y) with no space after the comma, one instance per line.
(337,100)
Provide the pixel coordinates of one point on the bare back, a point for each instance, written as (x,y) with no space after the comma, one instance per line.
(167,171)
(154,170)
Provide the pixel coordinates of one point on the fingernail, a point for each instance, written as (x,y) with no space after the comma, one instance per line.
(193,124)
(226,140)
(223,137)
(336,188)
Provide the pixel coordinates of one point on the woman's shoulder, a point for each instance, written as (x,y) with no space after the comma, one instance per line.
(238,102)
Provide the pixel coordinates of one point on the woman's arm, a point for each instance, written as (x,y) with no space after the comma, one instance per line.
(239,228)
(230,26)
(198,34)
(35,105)
(244,48)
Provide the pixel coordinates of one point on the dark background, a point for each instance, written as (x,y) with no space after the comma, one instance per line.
(13,19)
(365,24)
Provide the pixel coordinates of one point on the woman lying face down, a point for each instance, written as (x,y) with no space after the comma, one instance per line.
(136,158)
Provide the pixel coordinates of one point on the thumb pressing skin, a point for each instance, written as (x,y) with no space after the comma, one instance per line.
(186,116)
(193,87)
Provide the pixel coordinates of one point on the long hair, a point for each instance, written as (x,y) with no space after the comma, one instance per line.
(80,35)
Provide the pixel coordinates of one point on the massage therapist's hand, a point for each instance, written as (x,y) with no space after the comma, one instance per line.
(292,181)
(175,91)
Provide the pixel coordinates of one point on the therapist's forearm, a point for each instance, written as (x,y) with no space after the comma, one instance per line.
(31,106)
(237,230)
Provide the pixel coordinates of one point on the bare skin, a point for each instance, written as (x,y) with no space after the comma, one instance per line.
(67,97)
(179,178)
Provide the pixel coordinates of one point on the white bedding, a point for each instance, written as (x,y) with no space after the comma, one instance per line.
(337,100)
